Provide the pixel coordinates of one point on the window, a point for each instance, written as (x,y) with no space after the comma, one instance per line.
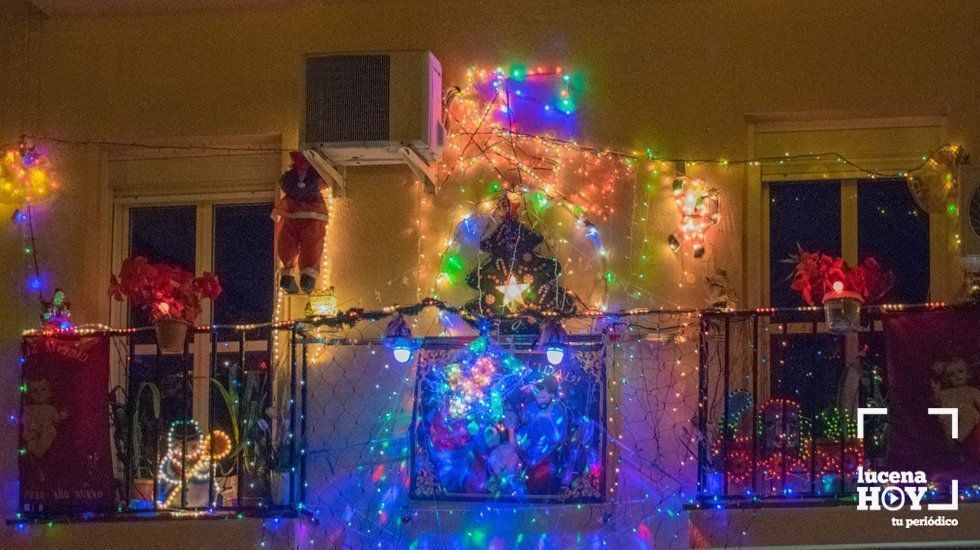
(855,219)
(231,239)
(243,262)
(165,234)
(895,231)
(804,214)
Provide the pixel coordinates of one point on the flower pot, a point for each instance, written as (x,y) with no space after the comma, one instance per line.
(141,493)
(842,311)
(171,335)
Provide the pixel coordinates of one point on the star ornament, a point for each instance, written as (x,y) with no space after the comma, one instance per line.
(512,291)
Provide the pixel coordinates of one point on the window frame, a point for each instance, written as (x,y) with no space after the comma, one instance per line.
(200,348)
(756,284)
(776,135)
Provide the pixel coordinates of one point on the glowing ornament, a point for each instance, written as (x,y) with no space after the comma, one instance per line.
(398,338)
(197,461)
(322,303)
(555,354)
(402,353)
(554,339)
(699,211)
(219,444)
(26,176)
(512,291)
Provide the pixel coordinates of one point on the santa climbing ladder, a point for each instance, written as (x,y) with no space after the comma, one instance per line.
(301,223)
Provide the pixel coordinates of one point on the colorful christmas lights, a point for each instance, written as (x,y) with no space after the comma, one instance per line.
(201,451)
(699,211)
(26,176)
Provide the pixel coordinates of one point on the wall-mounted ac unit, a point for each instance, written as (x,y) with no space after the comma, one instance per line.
(969,184)
(374,108)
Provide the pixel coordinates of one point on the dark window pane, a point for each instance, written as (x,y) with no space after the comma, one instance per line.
(166,372)
(805,214)
(244,264)
(165,234)
(895,231)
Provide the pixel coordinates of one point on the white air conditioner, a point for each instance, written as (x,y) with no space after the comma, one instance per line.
(373,108)
(969,183)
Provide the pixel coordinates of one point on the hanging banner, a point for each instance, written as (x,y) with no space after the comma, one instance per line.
(500,424)
(65,458)
(933,361)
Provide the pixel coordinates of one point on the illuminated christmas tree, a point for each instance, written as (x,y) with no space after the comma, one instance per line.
(515,279)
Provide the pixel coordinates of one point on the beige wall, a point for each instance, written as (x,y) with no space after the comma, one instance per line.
(682,77)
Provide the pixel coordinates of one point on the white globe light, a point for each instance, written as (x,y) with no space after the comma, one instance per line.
(402,354)
(555,354)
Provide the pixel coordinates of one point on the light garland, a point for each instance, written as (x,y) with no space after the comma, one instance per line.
(200,452)
(699,211)
(26,176)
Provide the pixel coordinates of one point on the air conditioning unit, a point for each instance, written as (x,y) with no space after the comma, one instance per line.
(374,108)
(969,183)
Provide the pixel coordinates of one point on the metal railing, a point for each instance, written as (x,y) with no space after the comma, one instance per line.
(777,396)
(156,441)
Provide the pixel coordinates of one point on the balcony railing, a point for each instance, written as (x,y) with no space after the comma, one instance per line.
(777,400)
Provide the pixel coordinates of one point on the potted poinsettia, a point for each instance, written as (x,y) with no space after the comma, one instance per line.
(841,288)
(172,296)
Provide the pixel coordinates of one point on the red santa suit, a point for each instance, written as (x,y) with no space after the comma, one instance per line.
(301,221)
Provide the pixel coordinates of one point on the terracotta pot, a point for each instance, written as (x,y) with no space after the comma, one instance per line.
(171,335)
(842,311)
(141,493)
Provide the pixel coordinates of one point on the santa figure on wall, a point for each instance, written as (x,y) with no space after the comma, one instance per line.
(301,224)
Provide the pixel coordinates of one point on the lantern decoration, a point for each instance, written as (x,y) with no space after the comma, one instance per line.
(322,303)
(553,340)
(699,211)
(26,175)
(398,338)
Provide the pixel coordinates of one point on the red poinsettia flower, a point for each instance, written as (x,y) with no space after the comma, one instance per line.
(162,290)
(817,274)
(208,285)
(877,281)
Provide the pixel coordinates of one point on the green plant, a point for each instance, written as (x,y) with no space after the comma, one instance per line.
(140,416)
(245,402)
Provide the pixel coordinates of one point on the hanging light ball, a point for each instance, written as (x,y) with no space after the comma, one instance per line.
(398,338)
(555,354)
(402,353)
(554,340)
(26,176)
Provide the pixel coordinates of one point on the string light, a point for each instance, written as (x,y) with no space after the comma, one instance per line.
(26,175)
(699,211)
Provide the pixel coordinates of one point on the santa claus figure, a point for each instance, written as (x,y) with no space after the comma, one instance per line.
(301,224)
